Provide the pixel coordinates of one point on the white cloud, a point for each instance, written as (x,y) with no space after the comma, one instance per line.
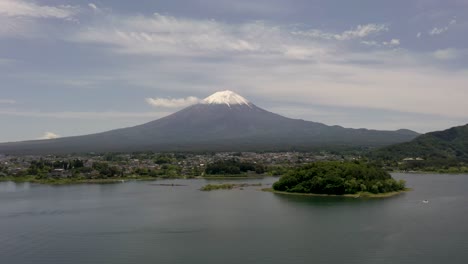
(49,135)
(370,43)
(19,27)
(20,8)
(304,53)
(268,62)
(26,19)
(393,80)
(173,36)
(7,101)
(446,54)
(256,8)
(309,67)
(167,35)
(392,43)
(438,31)
(93,6)
(361,31)
(390,85)
(173,103)
(418,35)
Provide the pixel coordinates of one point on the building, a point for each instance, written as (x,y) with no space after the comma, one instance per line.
(60,173)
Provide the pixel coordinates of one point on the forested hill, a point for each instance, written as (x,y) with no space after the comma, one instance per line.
(450,144)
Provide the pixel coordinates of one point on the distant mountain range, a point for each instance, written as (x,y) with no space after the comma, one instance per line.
(224,121)
(450,144)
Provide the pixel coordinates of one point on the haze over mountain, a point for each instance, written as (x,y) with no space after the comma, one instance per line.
(450,144)
(224,121)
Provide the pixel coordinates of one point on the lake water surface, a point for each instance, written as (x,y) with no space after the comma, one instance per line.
(140,222)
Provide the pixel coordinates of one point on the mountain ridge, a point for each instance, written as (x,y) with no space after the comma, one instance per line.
(226,125)
(449,144)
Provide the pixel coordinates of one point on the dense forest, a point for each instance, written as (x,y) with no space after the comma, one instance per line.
(338,178)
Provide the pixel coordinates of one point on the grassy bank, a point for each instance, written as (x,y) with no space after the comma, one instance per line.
(357,195)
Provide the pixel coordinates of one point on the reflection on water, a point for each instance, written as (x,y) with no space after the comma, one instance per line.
(14,187)
(155,222)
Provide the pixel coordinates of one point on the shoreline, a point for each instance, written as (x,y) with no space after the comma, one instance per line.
(232,177)
(65,181)
(429,172)
(70,181)
(357,195)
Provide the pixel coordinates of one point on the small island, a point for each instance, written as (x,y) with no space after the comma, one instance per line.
(226,186)
(356,179)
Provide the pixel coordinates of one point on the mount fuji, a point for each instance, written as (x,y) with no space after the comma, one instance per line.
(224,121)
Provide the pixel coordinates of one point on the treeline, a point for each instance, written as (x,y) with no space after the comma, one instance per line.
(233,167)
(440,151)
(43,167)
(445,165)
(338,178)
(166,171)
(104,170)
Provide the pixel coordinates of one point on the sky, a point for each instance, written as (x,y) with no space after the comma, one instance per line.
(78,67)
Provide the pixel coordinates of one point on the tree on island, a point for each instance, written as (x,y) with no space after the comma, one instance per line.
(338,178)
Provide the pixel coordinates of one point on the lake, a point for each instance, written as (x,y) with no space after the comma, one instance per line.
(142,222)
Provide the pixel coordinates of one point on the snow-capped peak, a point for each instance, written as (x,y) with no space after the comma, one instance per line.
(226,97)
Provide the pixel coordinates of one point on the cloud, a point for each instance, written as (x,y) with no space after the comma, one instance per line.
(173,103)
(259,7)
(82,115)
(27,19)
(371,43)
(19,27)
(167,35)
(19,8)
(418,35)
(361,31)
(413,88)
(391,43)
(394,80)
(309,67)
(304,53)
(7,101)
(446,54)
(368,118)
(49,135)
(4,61)
(93,6)
(269,62)
(438,31)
